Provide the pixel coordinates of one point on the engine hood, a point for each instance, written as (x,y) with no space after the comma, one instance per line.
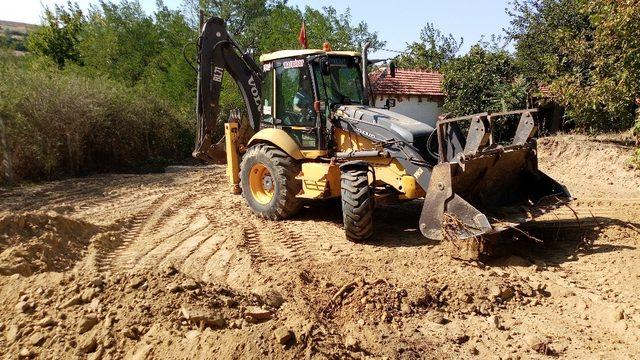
(409,129)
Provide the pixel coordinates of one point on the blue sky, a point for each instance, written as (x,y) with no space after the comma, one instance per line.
(398,22)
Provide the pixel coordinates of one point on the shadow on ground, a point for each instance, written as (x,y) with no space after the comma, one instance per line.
(561,241)
(554,241)
(394,225)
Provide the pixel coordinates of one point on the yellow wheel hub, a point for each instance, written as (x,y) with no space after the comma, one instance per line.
(261,184)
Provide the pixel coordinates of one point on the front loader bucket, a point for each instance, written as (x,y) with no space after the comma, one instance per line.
(487,188)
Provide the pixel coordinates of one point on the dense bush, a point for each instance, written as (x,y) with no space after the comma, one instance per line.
(60,123)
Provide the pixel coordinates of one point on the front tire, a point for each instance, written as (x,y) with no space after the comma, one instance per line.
(357,205)
(268,182)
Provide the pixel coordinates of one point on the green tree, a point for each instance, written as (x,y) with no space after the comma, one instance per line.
(483,80)
(542,30)
(120,40)
(244,18)
(587,51)
(432,52)
(60,34)
(123,42)
(281,29)
(611,66)
(329,25)
(167,72)
(266,26)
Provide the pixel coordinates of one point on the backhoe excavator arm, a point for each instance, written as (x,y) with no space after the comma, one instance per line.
(217,53)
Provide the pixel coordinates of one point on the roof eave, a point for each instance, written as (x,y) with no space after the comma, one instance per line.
(408,94)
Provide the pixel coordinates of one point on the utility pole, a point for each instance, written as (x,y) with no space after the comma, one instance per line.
(5,168)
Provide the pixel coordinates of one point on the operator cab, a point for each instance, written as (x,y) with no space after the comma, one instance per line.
(300,87)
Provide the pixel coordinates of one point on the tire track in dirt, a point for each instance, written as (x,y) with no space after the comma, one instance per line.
(289,243)
(213,257)
(195,249)
(193,232)
(128,259)
(170,210)
(107,253)
(196,259)
(179,251)
(193,242)
(162,250)
(183,251)
(100,201)
(120,202)
(294,242)
(253,240)
(307,242)
(197,253)
(144,225)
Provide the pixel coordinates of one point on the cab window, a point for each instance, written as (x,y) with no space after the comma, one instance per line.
(295,94)
(342,82)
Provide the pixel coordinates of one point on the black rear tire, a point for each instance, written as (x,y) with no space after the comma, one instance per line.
(282,170)
(357,205)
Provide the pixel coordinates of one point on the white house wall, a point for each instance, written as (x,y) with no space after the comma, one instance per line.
(425,111)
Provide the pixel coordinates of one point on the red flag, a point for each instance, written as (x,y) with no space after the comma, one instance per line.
(302,38)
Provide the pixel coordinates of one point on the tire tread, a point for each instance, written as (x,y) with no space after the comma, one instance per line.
(357,205)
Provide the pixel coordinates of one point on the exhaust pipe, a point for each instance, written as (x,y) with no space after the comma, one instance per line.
(365,76)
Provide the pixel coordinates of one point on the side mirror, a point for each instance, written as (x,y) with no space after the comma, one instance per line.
(392,69)
(390,103)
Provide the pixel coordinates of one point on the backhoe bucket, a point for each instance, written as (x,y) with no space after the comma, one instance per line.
(486,188)
(216,153)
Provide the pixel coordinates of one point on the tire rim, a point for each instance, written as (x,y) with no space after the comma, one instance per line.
(261,184)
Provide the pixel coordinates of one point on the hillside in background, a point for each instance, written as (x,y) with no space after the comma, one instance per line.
(13,35)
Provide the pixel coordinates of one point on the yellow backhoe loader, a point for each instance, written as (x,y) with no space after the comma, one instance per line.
(312,132)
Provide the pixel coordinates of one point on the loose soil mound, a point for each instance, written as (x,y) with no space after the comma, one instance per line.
(36,242)
(590,167)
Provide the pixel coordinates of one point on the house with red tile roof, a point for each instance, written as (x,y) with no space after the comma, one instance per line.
(418,93)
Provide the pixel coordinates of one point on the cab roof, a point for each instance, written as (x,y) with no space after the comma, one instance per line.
(282,54)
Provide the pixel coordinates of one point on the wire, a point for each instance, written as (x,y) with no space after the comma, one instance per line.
(429,140)
(393,51)
(184,54)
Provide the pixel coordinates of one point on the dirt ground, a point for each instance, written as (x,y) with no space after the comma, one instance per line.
(173,266)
